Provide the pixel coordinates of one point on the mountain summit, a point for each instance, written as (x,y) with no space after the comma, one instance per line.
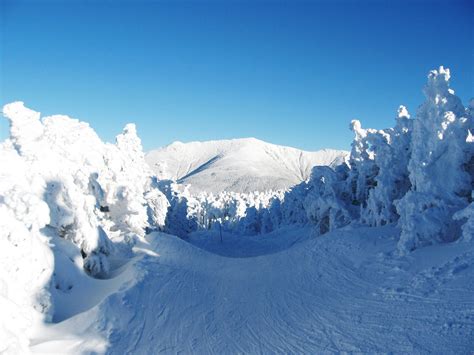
(239,165)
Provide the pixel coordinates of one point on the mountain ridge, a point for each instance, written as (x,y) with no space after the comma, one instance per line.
(239,165)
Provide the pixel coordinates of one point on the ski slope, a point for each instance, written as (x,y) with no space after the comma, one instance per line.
(285,292)
(239,165)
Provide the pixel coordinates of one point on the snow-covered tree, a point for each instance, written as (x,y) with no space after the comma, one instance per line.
(292,205)
(326,205)
(232,210)
(439,153)
(391,151)
(466,215)
(251,223)
(183,211)
(64,153)
(95,191)
(132,198)
(26,258)
(362,162)
(157,206)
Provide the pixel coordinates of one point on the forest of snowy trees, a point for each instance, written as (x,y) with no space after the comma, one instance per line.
(419,174)
(59,180)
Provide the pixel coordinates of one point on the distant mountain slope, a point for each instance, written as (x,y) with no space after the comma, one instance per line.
(240,165)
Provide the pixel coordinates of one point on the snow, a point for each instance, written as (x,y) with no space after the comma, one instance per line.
(59,181)
(286,292)
(441,185)
(367,254)
(238,165)
(418,174)
(229,210)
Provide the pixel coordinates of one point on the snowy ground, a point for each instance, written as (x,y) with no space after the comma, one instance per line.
(287,292)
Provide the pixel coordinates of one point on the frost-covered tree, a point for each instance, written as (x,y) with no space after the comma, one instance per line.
(231,210)
(251,223)
(64,153)
(274,218)
(132,198)
(183,210)
(326,204)
(56,179)
(157,206)
(95,192)
(26,258)
(363,168)
(466,215)
(362,163)
(439,153)
(391,153)
(292,206)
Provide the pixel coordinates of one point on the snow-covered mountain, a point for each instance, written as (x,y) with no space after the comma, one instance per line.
(240,165)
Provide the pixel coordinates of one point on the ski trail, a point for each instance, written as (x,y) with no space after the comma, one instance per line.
(329,294)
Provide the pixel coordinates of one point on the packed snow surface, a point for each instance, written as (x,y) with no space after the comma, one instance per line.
(285,292)
(238,165)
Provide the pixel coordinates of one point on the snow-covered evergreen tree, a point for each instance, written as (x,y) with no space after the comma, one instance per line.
(64,153)
(132,198)
(466,215)
(362,162)
(439,153)
(391,151)
(326,205)
(26,258)
(95,191)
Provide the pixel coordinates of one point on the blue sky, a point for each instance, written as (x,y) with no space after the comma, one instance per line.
(288,72)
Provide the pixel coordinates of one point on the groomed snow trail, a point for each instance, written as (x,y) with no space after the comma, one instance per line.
(294,294)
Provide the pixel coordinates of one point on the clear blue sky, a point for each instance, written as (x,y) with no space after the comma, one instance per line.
(288,72)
